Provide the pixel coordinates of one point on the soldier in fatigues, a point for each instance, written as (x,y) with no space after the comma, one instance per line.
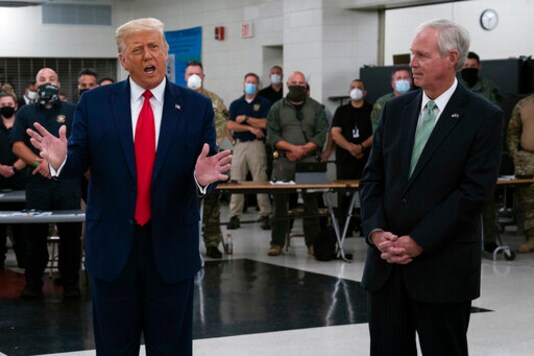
(469,77)
(401,82)
(211,219)
(520,140)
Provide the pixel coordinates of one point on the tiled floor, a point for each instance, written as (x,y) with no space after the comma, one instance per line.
(252,304)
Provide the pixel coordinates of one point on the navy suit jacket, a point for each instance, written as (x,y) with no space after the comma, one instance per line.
(102,140)
(439,206)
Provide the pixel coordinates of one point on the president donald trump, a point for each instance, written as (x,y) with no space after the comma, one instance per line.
(147,143)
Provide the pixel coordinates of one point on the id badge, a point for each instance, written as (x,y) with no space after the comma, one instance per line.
(355,133)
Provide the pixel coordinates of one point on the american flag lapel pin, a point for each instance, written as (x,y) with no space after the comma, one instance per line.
(455,115)
(177,107)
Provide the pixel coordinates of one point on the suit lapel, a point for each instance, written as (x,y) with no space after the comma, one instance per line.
(448,119)
(123,120)
(170,119)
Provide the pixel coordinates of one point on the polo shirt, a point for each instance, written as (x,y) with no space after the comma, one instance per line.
(258,108)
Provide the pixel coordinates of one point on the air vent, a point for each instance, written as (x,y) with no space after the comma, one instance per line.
(77,14)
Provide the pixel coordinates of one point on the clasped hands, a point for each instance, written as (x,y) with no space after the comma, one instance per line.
(394,249)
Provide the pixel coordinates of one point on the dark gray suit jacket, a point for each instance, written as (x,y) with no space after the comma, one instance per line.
(439,206)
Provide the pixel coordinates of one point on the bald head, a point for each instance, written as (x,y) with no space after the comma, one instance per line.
(46,75)
(297,78)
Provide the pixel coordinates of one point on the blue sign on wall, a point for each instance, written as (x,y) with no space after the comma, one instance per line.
(184,46)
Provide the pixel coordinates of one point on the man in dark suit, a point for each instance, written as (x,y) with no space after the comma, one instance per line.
(422,198)
(146,142)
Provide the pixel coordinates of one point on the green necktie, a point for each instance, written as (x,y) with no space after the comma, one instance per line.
(423,133)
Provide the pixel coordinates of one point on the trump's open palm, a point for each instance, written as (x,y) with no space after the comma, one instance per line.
(53,149)
(211,169)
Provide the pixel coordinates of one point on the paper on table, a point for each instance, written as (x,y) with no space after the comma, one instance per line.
(281,182)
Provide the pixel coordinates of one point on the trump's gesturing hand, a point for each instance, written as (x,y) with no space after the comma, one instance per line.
(53,149)
(211,169)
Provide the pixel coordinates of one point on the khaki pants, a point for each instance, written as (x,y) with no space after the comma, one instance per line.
(250,157)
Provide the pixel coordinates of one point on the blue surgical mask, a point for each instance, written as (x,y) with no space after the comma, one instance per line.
(402,86)
(250,89)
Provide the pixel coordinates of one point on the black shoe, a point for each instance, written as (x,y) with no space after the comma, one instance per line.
(72,292)
(213,252)
(233,223)
(31,292)
(265,223)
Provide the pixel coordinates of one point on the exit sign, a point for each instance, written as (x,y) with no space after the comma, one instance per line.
(246,30)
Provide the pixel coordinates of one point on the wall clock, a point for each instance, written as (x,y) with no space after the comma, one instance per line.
(489,19)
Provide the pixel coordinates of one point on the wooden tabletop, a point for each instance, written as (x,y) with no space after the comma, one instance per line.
(268,186)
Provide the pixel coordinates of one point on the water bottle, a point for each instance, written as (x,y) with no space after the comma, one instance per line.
(229,244)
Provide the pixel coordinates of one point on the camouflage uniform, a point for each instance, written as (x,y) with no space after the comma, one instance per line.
(377,109)
(521,148)
(211,219)
(487,89)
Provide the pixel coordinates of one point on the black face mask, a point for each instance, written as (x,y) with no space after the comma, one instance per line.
(7,111)
(48,94)
(297,93)
(470,76)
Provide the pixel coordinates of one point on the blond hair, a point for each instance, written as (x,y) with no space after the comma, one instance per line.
(148,24)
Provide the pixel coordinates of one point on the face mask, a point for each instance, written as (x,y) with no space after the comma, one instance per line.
(48,94)
(356,94)
(250,89)
(276,79)
(81,91)
(402,86)
(32,95)
(7,111)
(470,76)
(194,82)
(296,93)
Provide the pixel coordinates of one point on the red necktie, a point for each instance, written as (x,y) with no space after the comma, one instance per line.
(145,154)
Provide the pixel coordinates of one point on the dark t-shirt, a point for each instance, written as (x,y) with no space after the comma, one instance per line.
(61,114)
(355,124)
(7,157)
(270,94)
(52,119)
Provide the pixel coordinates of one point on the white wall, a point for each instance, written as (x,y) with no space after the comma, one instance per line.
(316,37)
(511,38)
(328,43)
(23,35)
(350,41)
(225,62)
